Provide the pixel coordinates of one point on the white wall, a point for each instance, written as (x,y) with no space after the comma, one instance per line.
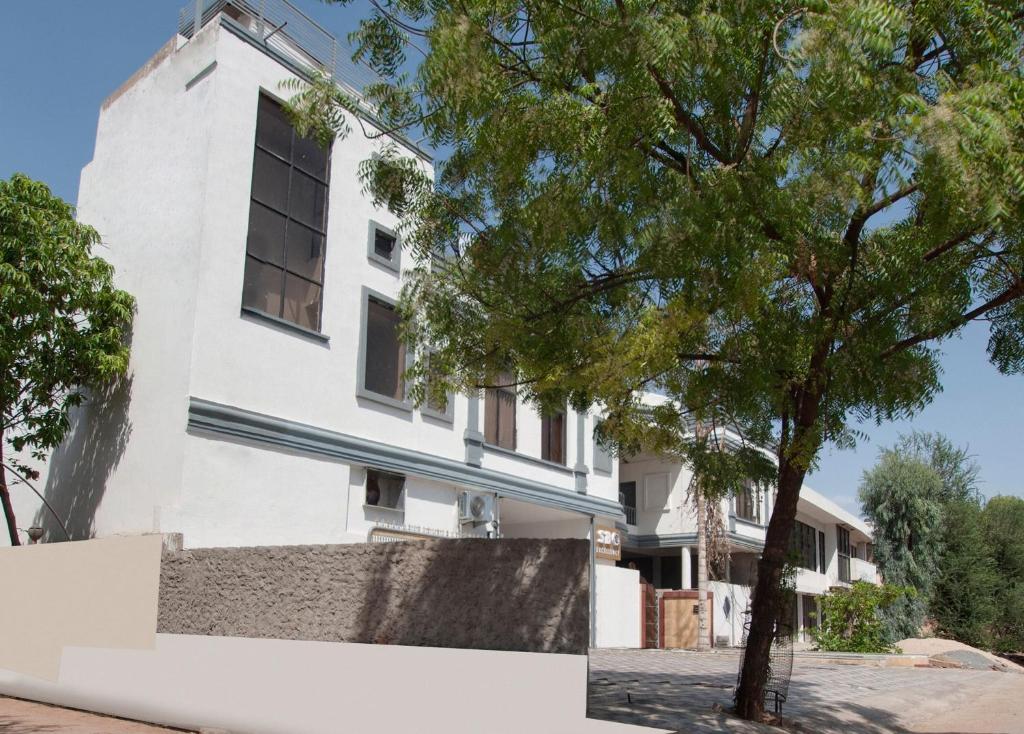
(617,607)
(730,625)
(169,191)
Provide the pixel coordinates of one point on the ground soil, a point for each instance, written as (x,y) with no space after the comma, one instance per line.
(937,646)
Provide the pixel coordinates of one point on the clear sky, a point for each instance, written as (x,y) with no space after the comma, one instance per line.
(61,58)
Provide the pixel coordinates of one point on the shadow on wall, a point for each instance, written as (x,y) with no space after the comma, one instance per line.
(520,594)
(79,468)
(527,595)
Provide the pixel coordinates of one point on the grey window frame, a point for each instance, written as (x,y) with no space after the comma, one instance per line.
(546,448)
(400,506)
(448,416)
(515,417)
(395,263)
(364,313)
(279,318)
(602,456)
(844,558)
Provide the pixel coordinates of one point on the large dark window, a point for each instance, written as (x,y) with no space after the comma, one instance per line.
(284,263)
(822,563)
(748,505)
(843,536)
(627,498)
(385,351)
(552,437)
(500,414)
(802,544)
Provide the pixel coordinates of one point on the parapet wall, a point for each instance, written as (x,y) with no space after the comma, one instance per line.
(525,594)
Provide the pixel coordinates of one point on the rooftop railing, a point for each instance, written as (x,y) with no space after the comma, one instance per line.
(283,27)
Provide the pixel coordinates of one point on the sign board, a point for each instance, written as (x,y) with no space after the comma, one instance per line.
(607,542)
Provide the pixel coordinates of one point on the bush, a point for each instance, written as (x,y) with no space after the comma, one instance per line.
(851,618)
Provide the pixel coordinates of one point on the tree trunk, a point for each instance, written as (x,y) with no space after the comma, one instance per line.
(702,570)
(5,500)
(768,602)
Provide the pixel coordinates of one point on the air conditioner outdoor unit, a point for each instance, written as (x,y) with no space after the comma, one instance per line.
(476,507)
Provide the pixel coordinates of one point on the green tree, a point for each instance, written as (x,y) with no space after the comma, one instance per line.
(851,619)
(1003,519)
(64,324)
(770,212)
(900,497)
(963,601)
(954,465)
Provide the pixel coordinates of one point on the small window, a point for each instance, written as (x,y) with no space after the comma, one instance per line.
(500,413)
(383,246)
(384,365)
(286,243)
(822,563)
(552,437)
(802,545)
(602,455)
(843,543)
(438,406)
(384,489)
(748,504)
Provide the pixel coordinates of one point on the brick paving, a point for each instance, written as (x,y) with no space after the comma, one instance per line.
(680,690)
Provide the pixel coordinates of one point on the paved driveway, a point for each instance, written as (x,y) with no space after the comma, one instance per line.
(678,690)
(26,717)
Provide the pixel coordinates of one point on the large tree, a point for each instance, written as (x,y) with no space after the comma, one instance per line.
(772,212)
(1003,520)
(64,325)
(900,498)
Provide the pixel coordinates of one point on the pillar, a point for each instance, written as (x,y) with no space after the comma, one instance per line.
(687,573)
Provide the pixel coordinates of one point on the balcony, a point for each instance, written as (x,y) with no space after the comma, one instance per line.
(630,514)
(861,570)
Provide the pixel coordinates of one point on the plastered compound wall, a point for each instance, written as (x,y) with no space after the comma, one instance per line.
(512,594)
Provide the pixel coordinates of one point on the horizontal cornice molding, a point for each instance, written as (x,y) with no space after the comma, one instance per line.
(205,416)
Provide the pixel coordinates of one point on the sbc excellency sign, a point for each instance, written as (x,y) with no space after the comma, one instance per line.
(607,543)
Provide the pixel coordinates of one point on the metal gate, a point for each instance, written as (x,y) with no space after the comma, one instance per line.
(648,615)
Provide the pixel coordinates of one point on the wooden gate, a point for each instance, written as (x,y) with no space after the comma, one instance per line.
(678,618)
(648,615)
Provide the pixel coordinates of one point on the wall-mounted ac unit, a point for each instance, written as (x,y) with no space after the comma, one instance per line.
(476,507)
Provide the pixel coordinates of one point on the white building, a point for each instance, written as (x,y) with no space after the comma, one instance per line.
(830,546)
(265,402)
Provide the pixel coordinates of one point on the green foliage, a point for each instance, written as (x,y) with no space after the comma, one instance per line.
(64,328)
(748,208)
(900,498)
(770,214)
(953,464)
(851,618)
(1003,520)
(963,598)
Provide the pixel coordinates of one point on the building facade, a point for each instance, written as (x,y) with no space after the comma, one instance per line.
(830,546)
(265,402)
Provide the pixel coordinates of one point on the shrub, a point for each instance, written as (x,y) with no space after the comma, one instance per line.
(851,618)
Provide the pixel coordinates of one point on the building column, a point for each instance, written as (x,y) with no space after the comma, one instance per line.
(687,572)
(580,470)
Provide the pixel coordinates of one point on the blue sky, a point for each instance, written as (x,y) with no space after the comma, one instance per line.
(56,74)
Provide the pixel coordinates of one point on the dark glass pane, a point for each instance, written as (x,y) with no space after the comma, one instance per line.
(270,181)
(262,287)
(383,244)
(266,234)
(308,200)
(385,354)
(301,302)
(273,130)
(507,419)
(491,416)
(305,252)
(310,157)
(552,428)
